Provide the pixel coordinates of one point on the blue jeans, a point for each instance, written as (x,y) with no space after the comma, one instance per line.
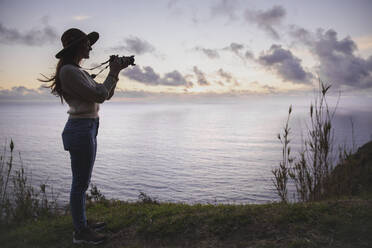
(80,139)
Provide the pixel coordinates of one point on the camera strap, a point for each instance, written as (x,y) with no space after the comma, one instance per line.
(104,68)
(131,62)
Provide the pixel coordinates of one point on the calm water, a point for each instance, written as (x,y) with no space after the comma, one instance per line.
(181,152)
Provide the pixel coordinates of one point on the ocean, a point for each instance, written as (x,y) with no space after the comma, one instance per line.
(174,152)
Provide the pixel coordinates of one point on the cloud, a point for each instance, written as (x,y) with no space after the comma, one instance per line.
(175,78)
(171,97)
(148,76)
(18,93)
(287,66)
(264,87)
(338,62)
(119,93)
(249,55)
(270,89)
(210,53)
(267,20)
(21,90)
(135,45)
(235,48)
(81,17)
(300,34)
(33,37)
(227,77)
(225,8)
(23,94)
(200,77)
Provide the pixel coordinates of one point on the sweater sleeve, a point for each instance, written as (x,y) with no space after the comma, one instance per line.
(112,91)
(80,85)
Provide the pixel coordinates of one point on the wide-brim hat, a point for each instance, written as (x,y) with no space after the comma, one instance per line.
(73,37)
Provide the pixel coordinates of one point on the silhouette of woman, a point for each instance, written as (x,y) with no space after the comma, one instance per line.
(79,136)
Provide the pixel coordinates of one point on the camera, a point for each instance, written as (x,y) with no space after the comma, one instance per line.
(124,59)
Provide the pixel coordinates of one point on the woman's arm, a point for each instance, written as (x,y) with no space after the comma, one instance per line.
(111,93)
(115,68)
(82,86)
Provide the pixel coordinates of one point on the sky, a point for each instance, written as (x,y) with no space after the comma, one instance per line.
(195,48)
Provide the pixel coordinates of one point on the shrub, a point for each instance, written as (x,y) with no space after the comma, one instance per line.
(311,172)
(21,201)
(281,174)
(146,199)
(95,195)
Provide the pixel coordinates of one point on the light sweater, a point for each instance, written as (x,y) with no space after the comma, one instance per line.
(82,93)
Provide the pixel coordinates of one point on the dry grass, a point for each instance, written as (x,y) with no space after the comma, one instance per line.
(311,171)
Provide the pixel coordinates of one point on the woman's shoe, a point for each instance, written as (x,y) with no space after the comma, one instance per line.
(96,225)
(87,235)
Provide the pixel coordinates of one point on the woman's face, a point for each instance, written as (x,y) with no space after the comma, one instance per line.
(85,49)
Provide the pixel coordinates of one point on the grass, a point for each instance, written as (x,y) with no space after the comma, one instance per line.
(342,223)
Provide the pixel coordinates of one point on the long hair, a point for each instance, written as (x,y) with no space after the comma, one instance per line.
(70,57)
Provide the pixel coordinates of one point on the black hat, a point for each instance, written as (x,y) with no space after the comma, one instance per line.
(74,36)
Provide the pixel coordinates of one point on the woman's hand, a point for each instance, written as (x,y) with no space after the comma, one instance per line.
(116,65)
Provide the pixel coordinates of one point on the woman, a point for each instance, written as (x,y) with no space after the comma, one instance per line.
(83,96)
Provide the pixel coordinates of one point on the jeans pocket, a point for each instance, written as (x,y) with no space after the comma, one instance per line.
(76,140)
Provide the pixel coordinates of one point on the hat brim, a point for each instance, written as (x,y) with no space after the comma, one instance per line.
(92,37)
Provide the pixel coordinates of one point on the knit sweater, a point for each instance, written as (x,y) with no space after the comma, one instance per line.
(82,93)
